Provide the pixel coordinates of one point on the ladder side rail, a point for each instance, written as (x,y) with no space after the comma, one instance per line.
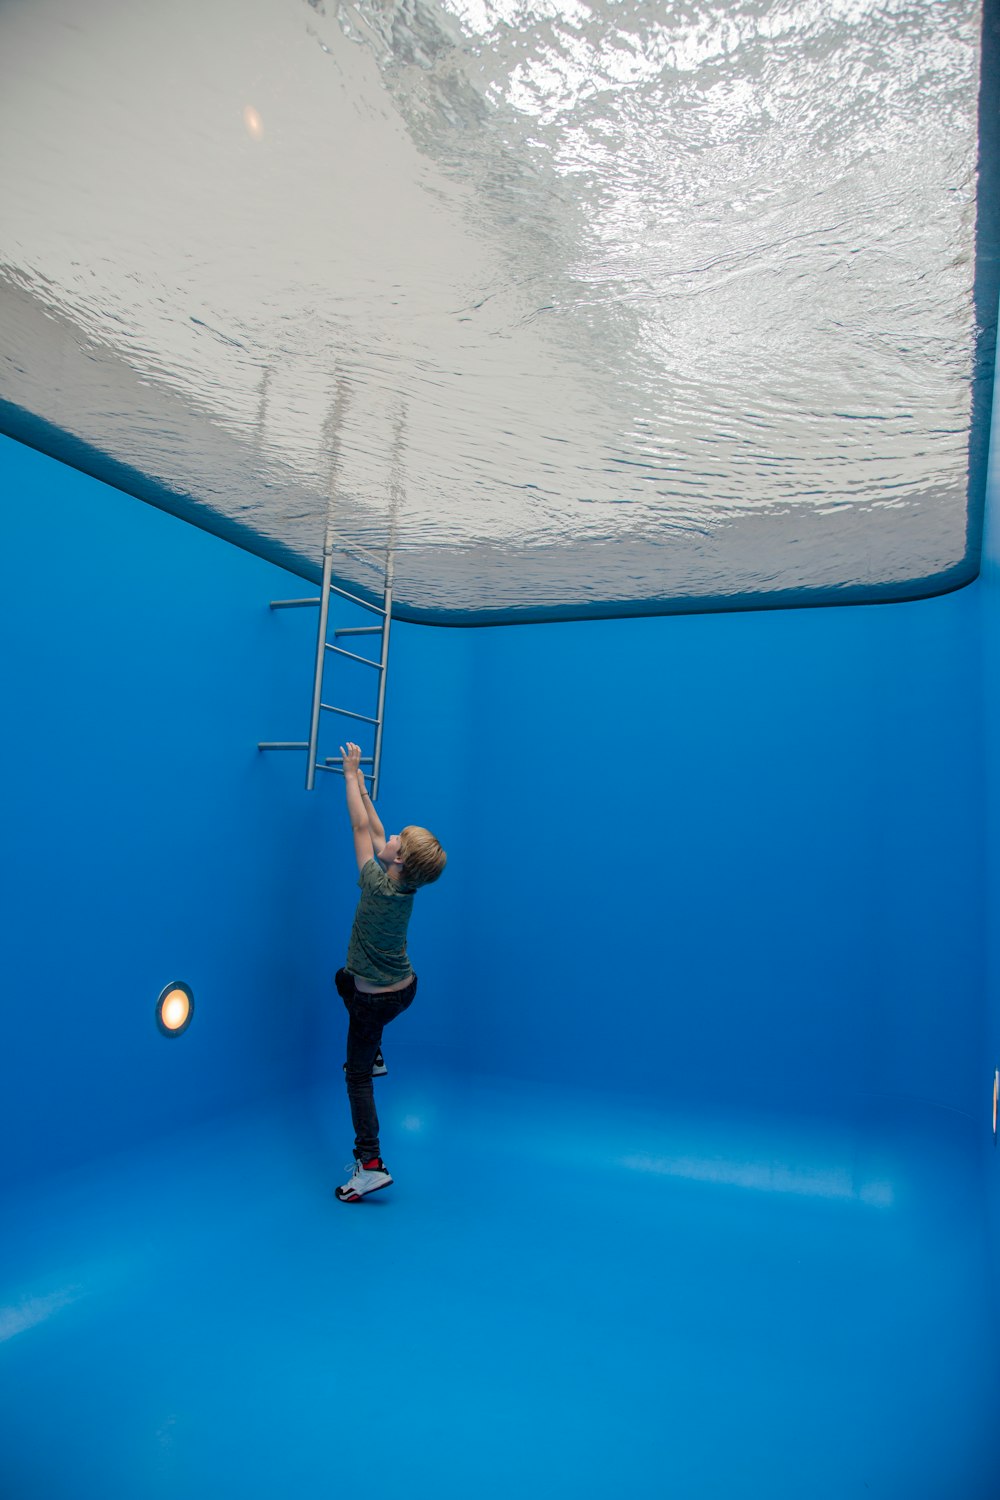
(324,610)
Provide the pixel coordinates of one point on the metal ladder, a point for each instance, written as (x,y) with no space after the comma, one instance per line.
(311,745)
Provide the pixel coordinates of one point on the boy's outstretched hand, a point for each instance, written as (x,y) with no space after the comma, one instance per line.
(354,758)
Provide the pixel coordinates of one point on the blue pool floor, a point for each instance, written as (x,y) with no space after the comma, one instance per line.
(558,1299)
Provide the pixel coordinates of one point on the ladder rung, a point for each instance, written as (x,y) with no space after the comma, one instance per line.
(354,656)
(360,630)
(347,713)
(369,557)
(335,760)
(376,609)
(292,603)
(283,745)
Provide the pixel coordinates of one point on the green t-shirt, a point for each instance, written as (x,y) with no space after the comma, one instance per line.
(377,950)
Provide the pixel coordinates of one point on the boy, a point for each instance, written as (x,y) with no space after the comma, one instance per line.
(377,983)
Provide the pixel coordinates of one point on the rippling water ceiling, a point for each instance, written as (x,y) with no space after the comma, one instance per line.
(588,307)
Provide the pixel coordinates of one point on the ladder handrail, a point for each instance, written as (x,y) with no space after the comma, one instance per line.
(323,645)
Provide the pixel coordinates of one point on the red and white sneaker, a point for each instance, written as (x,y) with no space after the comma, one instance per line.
(367,1177)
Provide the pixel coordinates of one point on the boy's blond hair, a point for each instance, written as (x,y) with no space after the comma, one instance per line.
(422,856)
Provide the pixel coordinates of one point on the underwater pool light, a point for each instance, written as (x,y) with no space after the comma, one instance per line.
(174,1009)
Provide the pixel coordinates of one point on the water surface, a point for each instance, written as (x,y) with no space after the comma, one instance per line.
(623,305)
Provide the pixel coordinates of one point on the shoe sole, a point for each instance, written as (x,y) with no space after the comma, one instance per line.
(357,1197)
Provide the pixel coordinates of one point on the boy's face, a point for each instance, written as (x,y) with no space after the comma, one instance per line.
(390,853)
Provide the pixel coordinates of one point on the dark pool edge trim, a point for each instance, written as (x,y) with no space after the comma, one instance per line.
(62,447)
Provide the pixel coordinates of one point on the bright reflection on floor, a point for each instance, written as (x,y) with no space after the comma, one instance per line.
(28,1312)
(765,1177)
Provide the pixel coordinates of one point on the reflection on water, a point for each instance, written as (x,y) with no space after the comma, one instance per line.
(614,302)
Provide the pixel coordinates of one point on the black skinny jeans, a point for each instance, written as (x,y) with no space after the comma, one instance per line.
(369,1014)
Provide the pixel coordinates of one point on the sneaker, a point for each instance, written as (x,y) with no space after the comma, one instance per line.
(379,1069)
(367,1177)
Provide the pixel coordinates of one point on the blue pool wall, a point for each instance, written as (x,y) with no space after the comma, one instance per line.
(736,862)
(147,840)
(728,858)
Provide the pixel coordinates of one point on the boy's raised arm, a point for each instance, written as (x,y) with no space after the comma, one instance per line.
(374,821)
(363,850)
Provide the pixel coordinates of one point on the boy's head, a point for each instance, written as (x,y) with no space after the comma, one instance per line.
(422,856)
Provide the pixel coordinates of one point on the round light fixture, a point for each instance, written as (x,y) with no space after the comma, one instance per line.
(174,1009)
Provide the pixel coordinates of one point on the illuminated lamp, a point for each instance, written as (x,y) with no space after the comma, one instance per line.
(174,1009)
